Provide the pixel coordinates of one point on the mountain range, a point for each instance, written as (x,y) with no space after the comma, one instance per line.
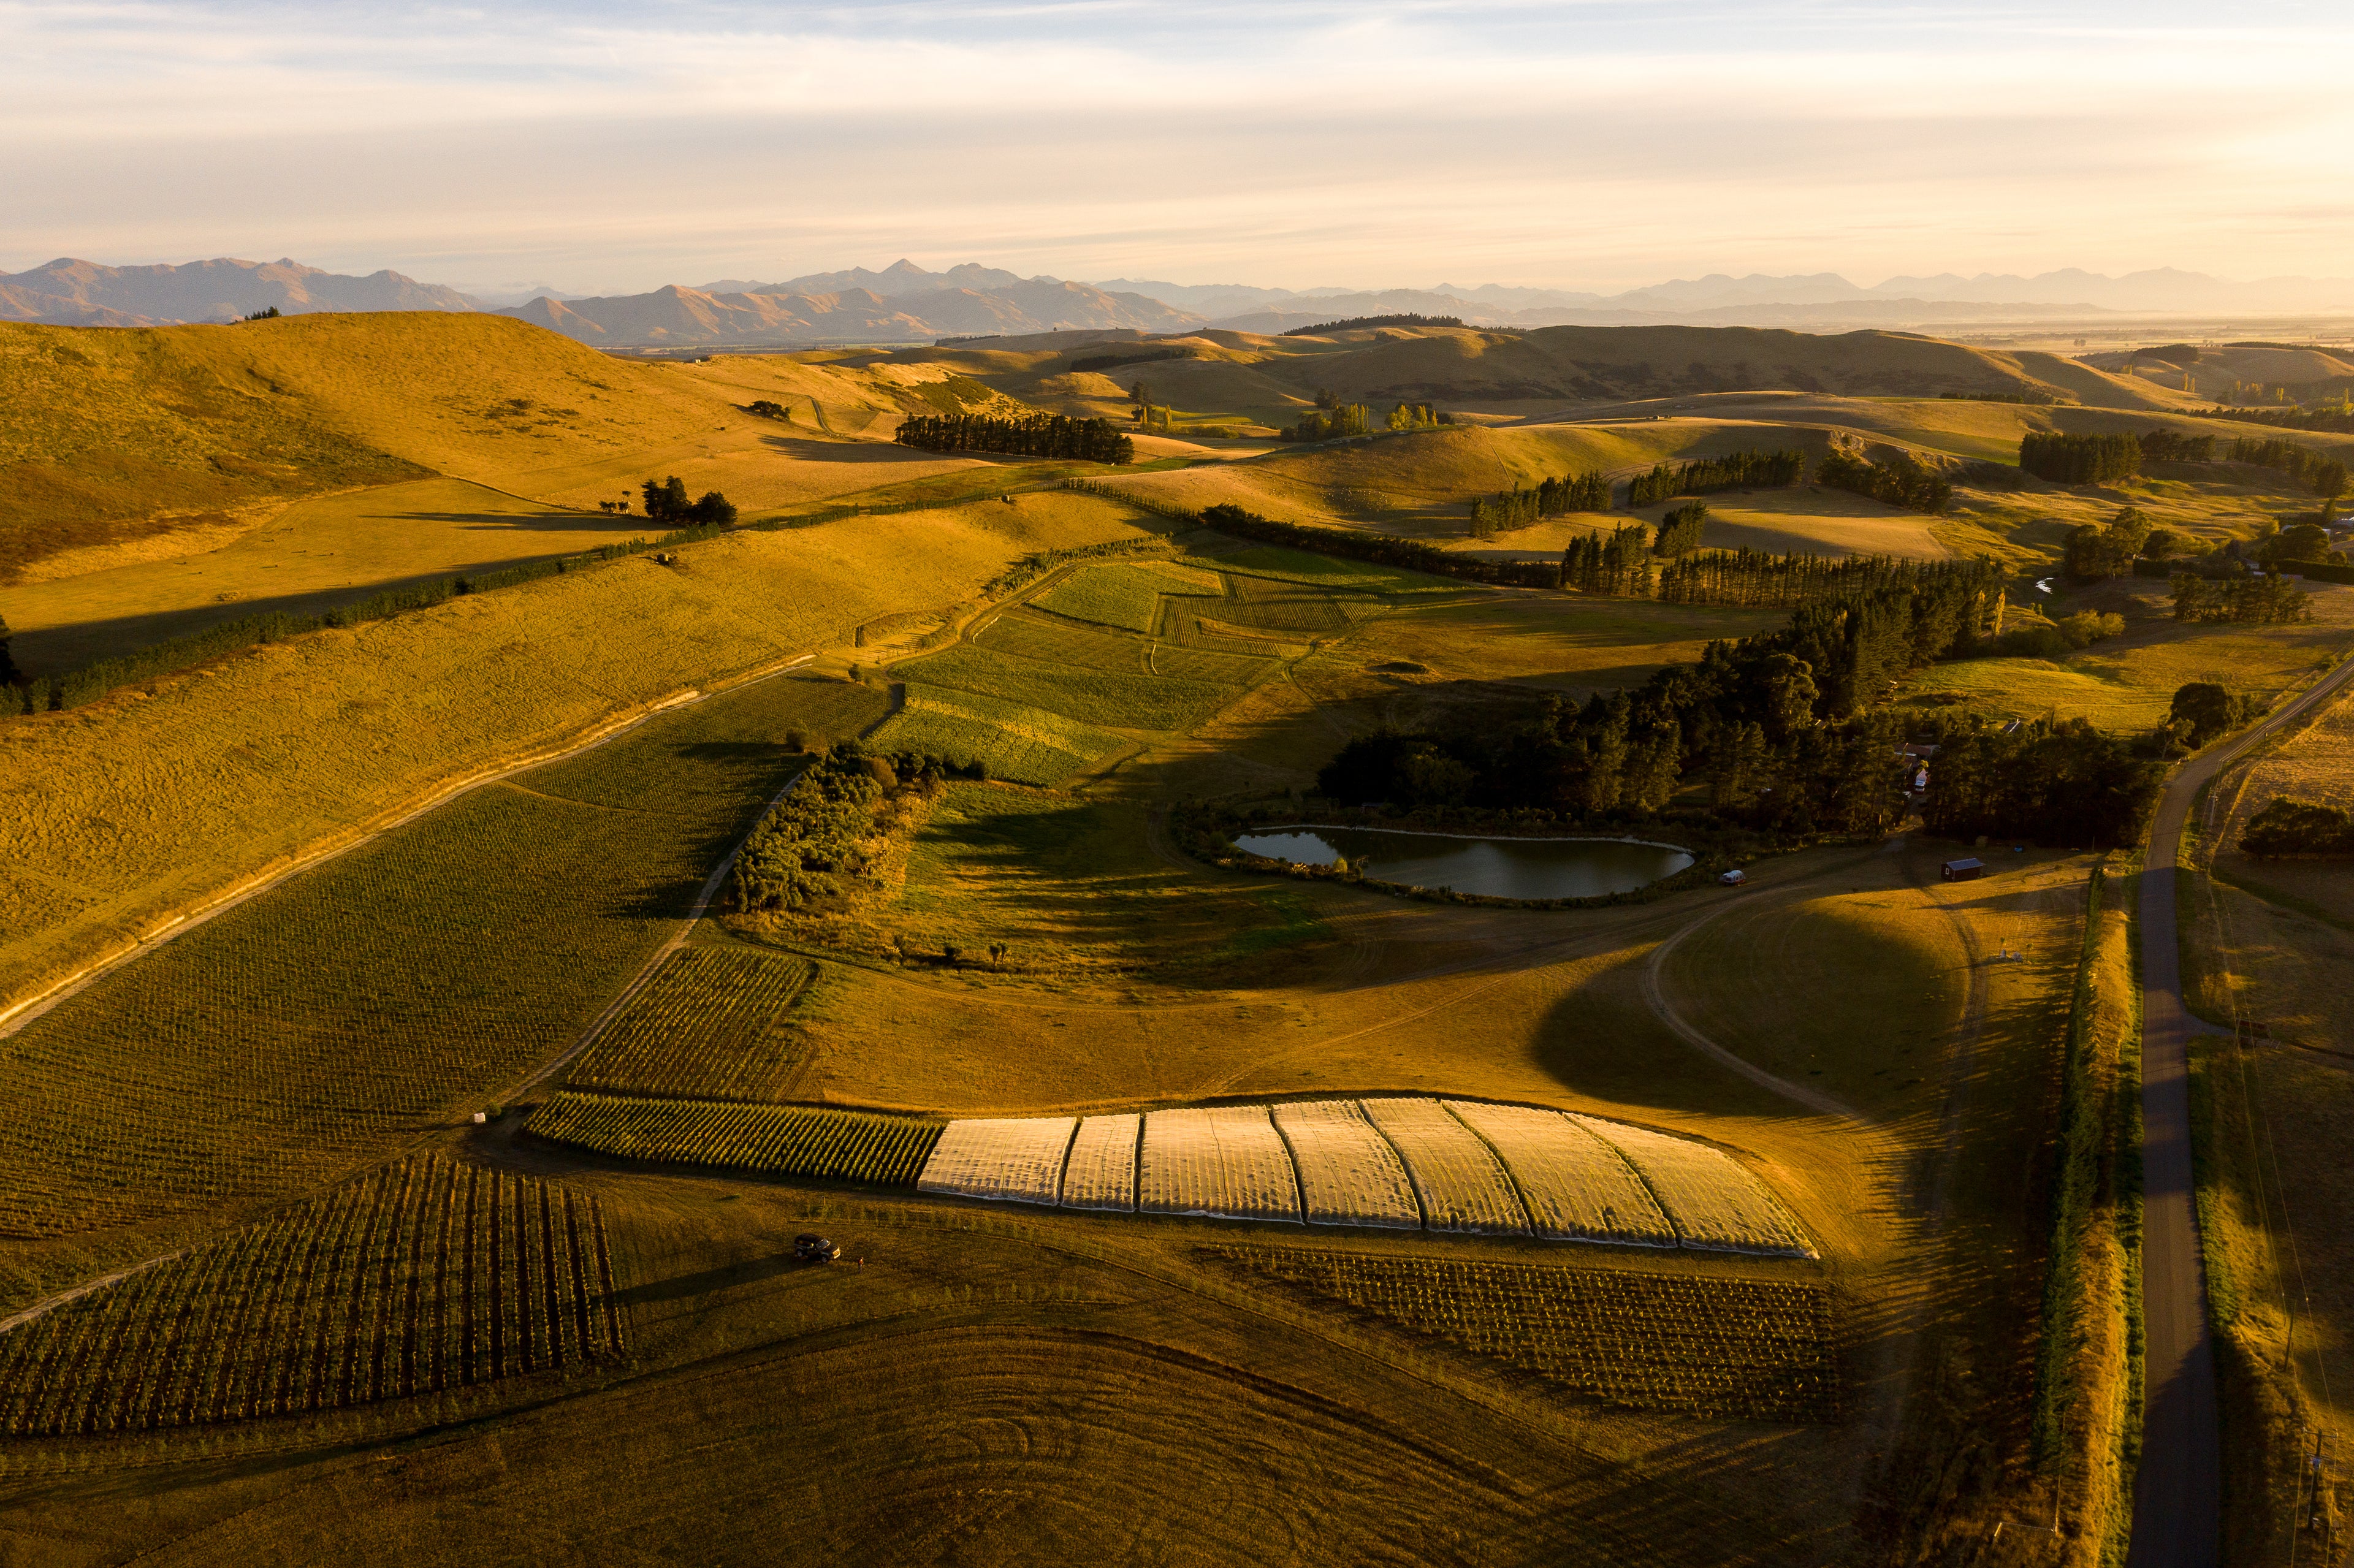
(69,292)
(906,302)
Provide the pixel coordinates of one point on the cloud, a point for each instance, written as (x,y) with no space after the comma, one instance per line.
(1607,142)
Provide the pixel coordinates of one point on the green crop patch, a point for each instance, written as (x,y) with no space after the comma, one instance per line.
(295,1035)
(1731,1349)
(1126,594)
(709,1023)
(781,1140)
(1094,698)
(1026,635)
(1012,740)
(422,1277)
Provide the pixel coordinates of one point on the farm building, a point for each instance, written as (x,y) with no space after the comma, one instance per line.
(1968,870)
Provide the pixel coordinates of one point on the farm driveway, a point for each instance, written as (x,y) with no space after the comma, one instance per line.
(2177,1492)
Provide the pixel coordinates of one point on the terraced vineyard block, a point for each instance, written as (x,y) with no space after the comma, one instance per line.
(786,1140)
(408,1281)
(1577,1187)
(1461,1185)
(1101,1170)
(1714,1203)
(1017,1160)
(1349,1173)
(1223,1161)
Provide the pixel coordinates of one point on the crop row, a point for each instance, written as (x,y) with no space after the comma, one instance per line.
(423,1275)
(784,1139)
(1732,1349)
(323,1018)
(1126,595)
(1027,634)
(709,1023)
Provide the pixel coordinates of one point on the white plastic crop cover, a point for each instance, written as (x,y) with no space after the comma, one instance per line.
(1225,1161)
(1349,1174)
(1019,1159)
(1579,1188)
(1716,1204)
(1461,1185)
(1101,1173)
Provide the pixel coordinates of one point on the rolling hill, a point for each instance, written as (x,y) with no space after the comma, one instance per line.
(119,435)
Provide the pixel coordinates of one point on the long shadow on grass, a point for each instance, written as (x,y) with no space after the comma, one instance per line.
(1961,1176)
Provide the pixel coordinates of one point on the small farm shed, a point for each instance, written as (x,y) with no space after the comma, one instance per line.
(1964,870)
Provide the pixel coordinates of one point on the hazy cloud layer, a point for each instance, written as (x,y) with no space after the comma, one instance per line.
(1592,146)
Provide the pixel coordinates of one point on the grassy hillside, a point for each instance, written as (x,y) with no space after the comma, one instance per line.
(318,552)
(146,800)
(119,433)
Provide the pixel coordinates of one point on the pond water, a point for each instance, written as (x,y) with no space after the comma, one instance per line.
(1497,868)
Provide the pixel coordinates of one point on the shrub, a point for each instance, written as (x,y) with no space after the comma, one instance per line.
(2289,827)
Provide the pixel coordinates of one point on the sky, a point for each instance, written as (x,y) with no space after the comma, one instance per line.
(1593,145)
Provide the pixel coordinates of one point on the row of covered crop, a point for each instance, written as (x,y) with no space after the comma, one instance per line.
(1406,1163)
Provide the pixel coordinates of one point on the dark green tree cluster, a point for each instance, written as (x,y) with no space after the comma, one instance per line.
(2079,460)
(2095,552)
(1899,483)
(2292,829)
(1515,508)
(1679,530)
(2325,476)
(824,828)
(1759,577)
(2058,781)
(1034,435)
(2299,541)
(2254,600)
(1344,419)
(666,502)
(1772,724)
(2204,711)
(1407,319)
(1519,507)
(1619,564)
(270,315)
(2170,446)
(769,408)
(2339,417)
(1747,470)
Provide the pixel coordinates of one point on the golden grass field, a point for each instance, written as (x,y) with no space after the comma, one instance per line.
(316,553)
(983,1384)
(2128,682)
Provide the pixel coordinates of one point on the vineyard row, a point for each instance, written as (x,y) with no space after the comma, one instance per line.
(421,1277)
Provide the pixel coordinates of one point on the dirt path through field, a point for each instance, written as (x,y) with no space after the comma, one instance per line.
(1656,997)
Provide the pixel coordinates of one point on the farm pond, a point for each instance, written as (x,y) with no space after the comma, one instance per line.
(1492,867)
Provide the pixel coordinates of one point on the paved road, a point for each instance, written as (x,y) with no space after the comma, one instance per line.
(2177,1492)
